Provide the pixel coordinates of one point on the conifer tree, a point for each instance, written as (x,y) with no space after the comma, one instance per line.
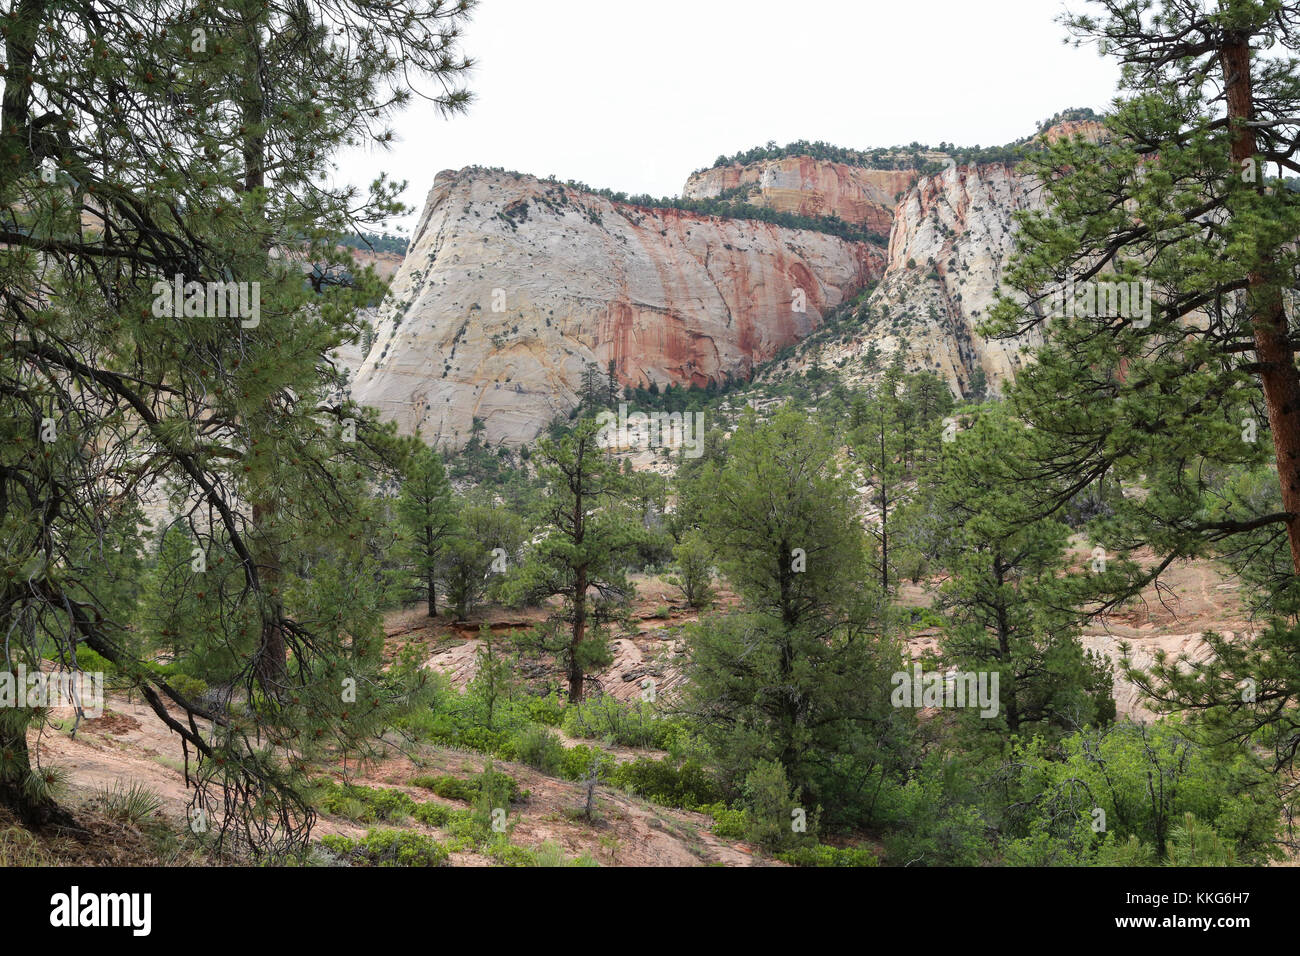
(484,550)
(427,514)
(166,143)
(1008,596)
(1190,409)
(800,675)
(586,540)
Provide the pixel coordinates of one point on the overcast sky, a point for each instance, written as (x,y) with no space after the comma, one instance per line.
(634,96)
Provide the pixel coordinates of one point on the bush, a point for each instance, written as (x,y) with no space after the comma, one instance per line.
(728,823)
(545,710)
(579,759)
(546,855)
(687,786)
(136,804)
(448,787)
(388,848)
(540,748)
(1194,843)
(823,855)
(628,725)
(774,809)
(468,789)
(364,804)
(693,570)
(433,814)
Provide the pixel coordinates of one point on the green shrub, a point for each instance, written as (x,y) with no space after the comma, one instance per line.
(545,710)
(467,789)
(540,748)
(774,809)
(665,782)
(823,855)
(693,570)
(546,855)
(578,760)
(1193,843)
(388,848)
(433,814)
(363,804)
(1131,852)
(136,804)
(637,724)
(448,787)
(729,823)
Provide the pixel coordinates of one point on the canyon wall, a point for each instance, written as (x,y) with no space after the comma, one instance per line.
(810,187)
(951,240)
(513,286)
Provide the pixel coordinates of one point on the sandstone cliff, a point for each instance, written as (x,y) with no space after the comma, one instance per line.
(950,242)
(513,286)
(810,187)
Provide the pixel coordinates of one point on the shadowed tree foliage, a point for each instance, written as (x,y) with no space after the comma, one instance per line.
(1192,407)
(145,145)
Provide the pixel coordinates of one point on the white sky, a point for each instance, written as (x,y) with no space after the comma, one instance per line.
(634,96)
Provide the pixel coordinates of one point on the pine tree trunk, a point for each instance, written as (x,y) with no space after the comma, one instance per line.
(1278,374)
(433,596)
(15,770)
(272,654)
(579,633)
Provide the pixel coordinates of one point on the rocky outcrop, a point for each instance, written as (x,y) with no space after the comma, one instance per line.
(950,242)
(810,187)
(513,286)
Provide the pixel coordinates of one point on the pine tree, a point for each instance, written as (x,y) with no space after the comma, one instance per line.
(1190,409)
(801,675)
(169,142)
(427,513)
(1008,596)
(779,514)
(1177,196)
(583,549)
(484,549)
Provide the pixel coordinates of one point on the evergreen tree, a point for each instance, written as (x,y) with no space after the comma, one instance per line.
(427,514)
(1177,196)
(1008,597)
(487,537)
(1199,395)
(802,676)
(192,139)
(780,515)
(583,548)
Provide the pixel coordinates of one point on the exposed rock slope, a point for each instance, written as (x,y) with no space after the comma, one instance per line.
(950,242)
(811,187)
(513,286)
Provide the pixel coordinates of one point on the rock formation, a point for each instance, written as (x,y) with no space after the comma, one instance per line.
(811,187)
(950,242)
(514,286)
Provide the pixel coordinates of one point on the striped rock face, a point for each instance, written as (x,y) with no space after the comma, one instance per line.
(513,286)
